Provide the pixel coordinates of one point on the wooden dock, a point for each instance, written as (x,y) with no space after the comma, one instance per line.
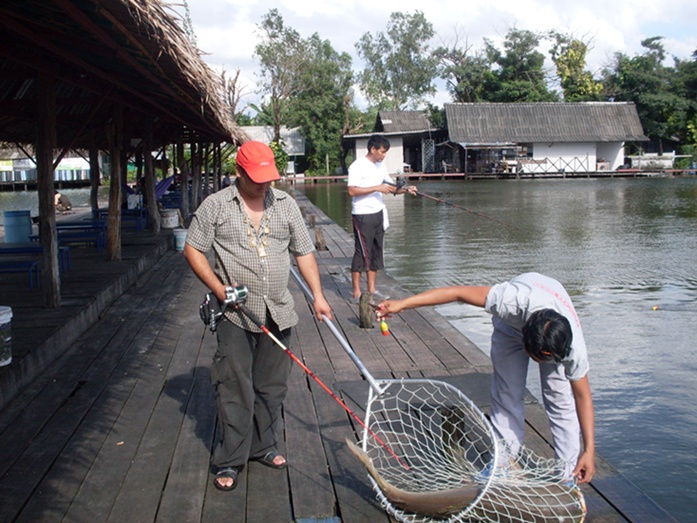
(119,426)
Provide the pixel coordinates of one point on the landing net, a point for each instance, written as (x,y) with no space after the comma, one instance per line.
(445,442)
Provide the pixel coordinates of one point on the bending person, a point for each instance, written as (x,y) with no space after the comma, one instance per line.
(533,318)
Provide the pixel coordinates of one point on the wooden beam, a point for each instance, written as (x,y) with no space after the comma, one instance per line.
(102,36)
(45,142)
(113,234)
(140,93)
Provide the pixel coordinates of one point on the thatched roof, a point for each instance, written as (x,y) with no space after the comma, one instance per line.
(402,122)
(103,53)
(492,123)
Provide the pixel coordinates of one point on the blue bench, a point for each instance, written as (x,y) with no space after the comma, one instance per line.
(31,266)
(94,236)
(139,216)
(34,248)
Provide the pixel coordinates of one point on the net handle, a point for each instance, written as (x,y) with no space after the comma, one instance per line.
(340,338)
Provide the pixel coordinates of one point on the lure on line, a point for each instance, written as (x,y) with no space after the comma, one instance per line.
(384,328)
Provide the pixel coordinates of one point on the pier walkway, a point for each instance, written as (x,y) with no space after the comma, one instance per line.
(119,425)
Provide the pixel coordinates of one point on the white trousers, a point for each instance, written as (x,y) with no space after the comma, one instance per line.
(507,395)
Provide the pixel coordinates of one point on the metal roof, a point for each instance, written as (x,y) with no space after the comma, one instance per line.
(402,122)
(505,123)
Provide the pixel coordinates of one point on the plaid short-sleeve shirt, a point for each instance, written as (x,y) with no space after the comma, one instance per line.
(221,222)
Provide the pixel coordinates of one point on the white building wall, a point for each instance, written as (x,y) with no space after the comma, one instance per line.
(561,157)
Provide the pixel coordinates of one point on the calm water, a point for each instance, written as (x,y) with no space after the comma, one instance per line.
(621,247)
(29,200)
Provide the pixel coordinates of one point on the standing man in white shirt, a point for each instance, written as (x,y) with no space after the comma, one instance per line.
(368,180)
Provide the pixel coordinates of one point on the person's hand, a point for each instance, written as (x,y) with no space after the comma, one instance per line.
(386,189)
(585,468)
(387,308)
(322,308)
(411,190)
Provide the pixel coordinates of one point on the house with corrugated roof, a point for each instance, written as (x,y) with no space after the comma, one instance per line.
(540,138)
(413,141)
(514,138)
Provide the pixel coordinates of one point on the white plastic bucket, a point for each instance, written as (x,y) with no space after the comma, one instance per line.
(179,239)
(170,218)
(17,226)
(5,335)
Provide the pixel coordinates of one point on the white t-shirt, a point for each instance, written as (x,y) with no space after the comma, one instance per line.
(364,173)
(514,302)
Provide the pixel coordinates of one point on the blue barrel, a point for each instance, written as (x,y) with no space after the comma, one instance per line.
(17,226)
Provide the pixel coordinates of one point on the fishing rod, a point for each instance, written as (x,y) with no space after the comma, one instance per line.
(238,305)
(401,183)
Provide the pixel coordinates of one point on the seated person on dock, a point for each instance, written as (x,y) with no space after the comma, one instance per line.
(533,318)
(61,202)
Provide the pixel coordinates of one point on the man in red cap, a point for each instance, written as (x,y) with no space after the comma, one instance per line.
(251,227)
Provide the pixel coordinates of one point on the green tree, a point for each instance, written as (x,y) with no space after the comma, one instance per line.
(282,58)
(686,87)
(569,56)
(399,70)
(188,25)
(518,71)
(646,81)
(466,72)
(320,107)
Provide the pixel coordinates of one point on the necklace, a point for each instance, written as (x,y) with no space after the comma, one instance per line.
(258,238)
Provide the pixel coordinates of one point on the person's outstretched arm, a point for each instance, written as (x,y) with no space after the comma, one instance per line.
(472,295)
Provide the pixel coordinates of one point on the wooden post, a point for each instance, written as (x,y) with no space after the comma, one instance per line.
(217,167)
(184,174)
(95,175)
(365,311)
(153,211)
(195,176)
(45,143)
(205,157)
(320,244)
(113,234)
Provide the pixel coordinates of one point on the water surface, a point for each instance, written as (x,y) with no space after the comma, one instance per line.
(621,247)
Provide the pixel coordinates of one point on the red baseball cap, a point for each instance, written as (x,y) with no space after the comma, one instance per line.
(257,160)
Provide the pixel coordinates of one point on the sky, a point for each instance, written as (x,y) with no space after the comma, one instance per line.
(228,30)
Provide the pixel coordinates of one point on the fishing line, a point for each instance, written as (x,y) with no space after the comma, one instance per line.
(401,184)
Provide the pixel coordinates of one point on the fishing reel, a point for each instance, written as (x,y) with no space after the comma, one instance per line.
(211,310)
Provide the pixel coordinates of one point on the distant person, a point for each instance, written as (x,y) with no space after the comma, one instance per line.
(533,318)
(226,180)
(368,180)
(253,230)
(62,202)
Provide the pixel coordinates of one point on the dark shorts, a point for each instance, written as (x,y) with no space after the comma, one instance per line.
(368,235)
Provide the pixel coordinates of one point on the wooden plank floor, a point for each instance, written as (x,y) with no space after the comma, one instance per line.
(120,425)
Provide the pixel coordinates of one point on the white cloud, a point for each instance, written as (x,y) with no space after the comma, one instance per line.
(227,30)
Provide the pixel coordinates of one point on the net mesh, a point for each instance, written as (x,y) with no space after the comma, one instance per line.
(445,443)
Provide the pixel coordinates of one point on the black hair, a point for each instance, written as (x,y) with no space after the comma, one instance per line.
(547,336)
(378,141)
